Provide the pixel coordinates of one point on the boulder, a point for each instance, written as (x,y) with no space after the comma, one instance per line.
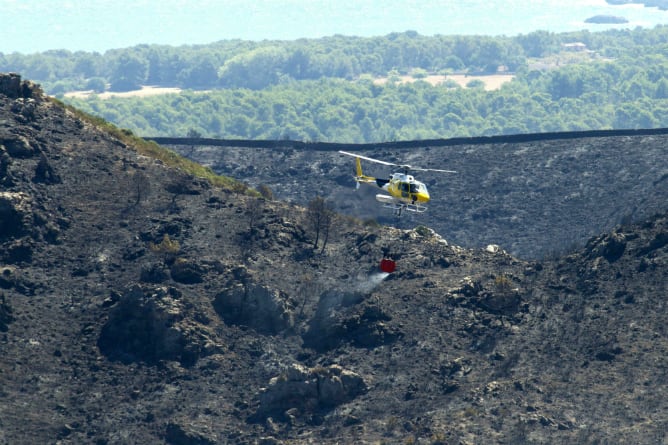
(17,146)
(469,287)
(609,246)
(499,302)
(150,324)
(266,310)
(15,215)
(186,271)
(19,220)
(338,385)
(303,390)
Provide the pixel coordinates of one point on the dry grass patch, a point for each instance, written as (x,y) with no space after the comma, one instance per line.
(492,81)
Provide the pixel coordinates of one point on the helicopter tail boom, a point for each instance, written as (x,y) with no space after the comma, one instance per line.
(361,177)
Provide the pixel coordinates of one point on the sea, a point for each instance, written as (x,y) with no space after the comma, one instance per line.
(31,26)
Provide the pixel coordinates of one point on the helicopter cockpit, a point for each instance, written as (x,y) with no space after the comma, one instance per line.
(412,187)
(409,187)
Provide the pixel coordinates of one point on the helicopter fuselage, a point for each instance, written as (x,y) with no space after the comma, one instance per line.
(404,191)
(406,188)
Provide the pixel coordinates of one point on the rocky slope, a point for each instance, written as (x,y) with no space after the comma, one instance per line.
(139,304)
(534,197)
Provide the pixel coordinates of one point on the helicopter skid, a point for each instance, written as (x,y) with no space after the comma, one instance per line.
(398,206)
(415,208)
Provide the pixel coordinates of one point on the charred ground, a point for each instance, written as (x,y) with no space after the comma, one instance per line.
(534,195)
(139,304)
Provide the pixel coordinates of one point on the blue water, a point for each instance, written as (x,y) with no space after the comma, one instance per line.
(29,26)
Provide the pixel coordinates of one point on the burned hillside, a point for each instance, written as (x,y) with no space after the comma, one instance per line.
(534,195)
(141,304)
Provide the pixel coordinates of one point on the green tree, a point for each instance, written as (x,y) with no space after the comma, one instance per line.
(454,63)
(539,43)
(38,69)
(97,84)
(86,64)
(203,75)
(129,73)
(256,69)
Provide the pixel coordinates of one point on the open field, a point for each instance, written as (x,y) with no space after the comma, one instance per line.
(143,92)
(492,82)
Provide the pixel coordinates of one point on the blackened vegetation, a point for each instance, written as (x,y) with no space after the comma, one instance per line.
(6,316)
(128,316)
(142,187)
(44,172)
(320,217)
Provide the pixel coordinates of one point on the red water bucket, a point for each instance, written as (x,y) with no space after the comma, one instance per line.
(387,266)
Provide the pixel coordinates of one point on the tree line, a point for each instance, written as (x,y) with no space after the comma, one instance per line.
(257,65)
(597,95)
(324,89)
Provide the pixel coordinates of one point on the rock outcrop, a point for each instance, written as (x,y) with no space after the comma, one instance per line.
(13,87)
(248,303)
(302,391)
(151,324)
(15,215)
(343,318)
(17,146)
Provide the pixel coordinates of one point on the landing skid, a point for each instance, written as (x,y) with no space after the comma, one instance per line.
(399,208)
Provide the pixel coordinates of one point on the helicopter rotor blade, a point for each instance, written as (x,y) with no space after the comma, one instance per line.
(432,170)
(404,167)
(367,158)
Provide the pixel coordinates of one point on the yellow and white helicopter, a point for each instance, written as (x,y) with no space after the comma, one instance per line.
(405,192)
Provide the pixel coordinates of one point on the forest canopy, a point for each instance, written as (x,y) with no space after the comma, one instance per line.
(327,89)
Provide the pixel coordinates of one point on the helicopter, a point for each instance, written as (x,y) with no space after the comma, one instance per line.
(405,192)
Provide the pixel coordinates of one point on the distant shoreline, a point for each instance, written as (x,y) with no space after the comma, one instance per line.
(661,4)
(102,26)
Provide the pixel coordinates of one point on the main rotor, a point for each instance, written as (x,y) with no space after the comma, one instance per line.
(405,167)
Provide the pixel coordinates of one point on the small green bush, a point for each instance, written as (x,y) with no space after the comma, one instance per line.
(423,231)
(502,284)
(265,192)
(167,245)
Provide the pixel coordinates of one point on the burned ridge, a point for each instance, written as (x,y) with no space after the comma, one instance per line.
(140,304)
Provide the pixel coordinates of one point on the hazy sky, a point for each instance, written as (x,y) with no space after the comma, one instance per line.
(97,25)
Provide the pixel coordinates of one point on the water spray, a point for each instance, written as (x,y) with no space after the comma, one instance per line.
(369,283)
